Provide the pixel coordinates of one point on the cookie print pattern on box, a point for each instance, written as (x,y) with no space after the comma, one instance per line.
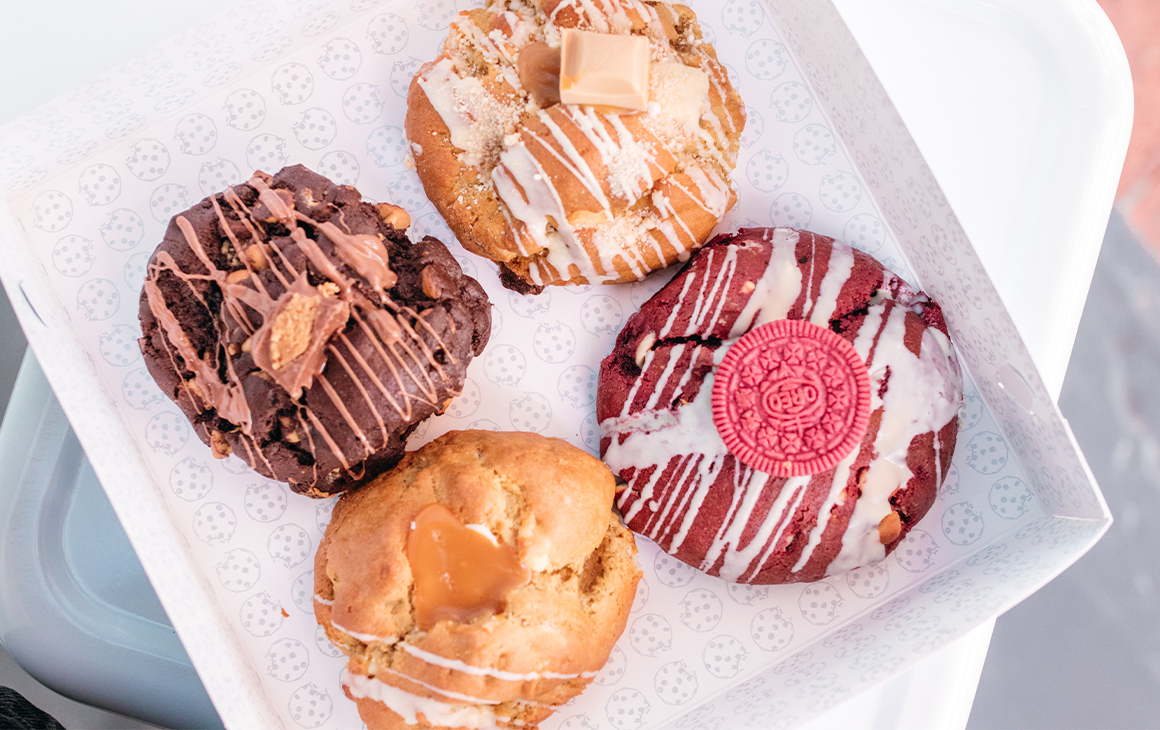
(689,493)
(117,118)
(117,346)
(287,660)
(724,657)
(614,668)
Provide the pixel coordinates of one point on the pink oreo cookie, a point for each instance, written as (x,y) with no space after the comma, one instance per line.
(791,398)
(783,410)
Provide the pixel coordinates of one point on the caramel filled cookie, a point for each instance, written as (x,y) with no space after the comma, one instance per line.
(631,178)
(482,583)
(298,328)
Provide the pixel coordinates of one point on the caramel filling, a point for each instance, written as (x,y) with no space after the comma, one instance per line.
(459,574)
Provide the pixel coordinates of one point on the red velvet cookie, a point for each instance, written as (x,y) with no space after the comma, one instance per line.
(789,476)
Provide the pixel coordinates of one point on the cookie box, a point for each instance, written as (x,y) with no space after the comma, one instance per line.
(91,180)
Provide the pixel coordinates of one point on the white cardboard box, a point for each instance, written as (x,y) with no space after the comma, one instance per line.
(91,181)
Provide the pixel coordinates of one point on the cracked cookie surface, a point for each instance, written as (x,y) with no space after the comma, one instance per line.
(511,667)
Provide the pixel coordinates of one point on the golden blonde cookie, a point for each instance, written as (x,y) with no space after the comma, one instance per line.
(547,502)
(567,194)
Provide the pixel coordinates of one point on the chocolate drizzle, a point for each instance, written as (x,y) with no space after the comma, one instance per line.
(306,358)
(363,253)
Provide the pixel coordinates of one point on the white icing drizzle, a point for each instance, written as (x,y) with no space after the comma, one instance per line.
(608,241)
(607,16)
(437,690)
(627,158)
(716,121)
(712,194)
(930,401)
(409,706)
(323,601)
(841,264)
(494,47)
(476,120)
(644,438)
(571,159)
(461,666)
(681,122)
(482,530)
(739,559)
(668,213)
(533,199)
(783,522)
(364,638)
(777,289)
(707,467)
(517,182)
(837,485)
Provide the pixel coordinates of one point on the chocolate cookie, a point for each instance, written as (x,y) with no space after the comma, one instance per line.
(298,328)
(784,409)
(571,193)
(481,583)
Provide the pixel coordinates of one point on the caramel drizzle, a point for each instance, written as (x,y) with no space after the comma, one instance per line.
(226,398)
(176,337)
(358,383)
(310,439)
(396,341)
(405,407)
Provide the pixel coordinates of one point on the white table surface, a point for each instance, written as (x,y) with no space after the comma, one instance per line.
(977,85)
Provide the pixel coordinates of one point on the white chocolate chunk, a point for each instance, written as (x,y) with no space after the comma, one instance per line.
(599,69)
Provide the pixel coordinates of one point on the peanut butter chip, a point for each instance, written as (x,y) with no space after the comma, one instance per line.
(257,257)
(459,574)
(433,282)
(539,68)
(218,445)
(889,528)
(393,215)
(292,330)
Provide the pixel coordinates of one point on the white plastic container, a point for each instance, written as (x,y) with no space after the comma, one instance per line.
(76,610)
(66,252)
